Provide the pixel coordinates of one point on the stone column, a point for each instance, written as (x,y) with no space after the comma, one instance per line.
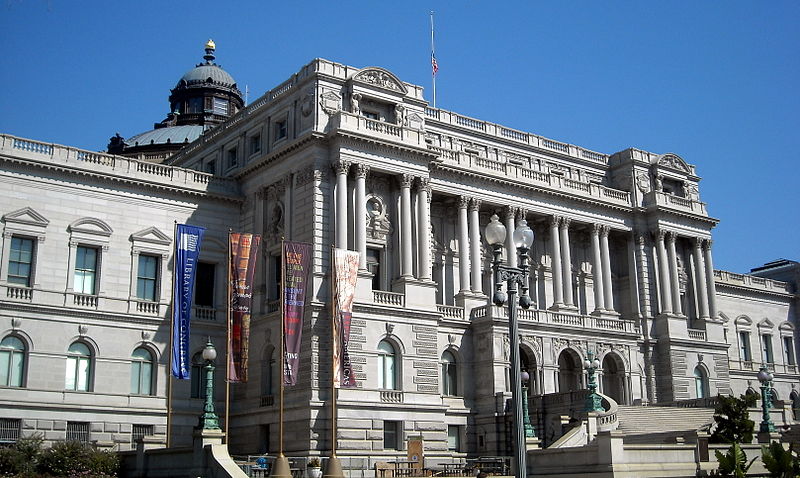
(510,216)
(633,277)
(463,244)
(475,245)
(663,276)
(605,258)
(423,229)
(406,249)
(555,255)
(597,269)
(675,285)
(700,282)
(342,168)
(566,262)
(362,170)
(712,290)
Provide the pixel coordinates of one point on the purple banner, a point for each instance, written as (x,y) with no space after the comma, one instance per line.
(296,259)
(244,252)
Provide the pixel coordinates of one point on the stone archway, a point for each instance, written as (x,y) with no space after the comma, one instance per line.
(569,371)
(613,379)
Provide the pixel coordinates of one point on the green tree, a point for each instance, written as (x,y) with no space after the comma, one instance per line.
(780,462)
(733,424)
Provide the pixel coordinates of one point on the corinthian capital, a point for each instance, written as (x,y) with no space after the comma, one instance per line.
(405,180)
(342,167)
(555,221)
(509,213)
(475,204)
(463,202)
(362,170)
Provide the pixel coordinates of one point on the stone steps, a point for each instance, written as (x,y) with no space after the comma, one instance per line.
(660,424)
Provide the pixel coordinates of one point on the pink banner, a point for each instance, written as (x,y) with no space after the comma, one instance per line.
(345,277)
(243,255)
(296,261)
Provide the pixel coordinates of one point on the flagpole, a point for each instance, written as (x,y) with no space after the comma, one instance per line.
(172,331)
(228,345)
(433,58)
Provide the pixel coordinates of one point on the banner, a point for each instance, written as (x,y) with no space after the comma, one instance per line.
(244,253)
(345,277)
(187,251)
(296,261)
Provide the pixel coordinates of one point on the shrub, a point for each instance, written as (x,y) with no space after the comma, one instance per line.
(733,424)
(780,462)
(65,459)
(21,458)
(733,463)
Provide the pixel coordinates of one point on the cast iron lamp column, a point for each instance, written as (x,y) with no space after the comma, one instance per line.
(594,403)
(765,377)
(209,419)
(529,431)
(523,238)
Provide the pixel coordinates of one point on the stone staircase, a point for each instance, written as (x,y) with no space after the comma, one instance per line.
(654,425)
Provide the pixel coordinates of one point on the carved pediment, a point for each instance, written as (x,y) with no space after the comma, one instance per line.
(26,216)
(381,78)
(766,324)
(151,235)
(671,160)
(91,225)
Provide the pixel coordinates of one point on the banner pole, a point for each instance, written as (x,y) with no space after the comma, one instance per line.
(283,342)
(172,330)
(228,344)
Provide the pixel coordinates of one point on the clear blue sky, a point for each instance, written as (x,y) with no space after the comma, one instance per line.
(715,82)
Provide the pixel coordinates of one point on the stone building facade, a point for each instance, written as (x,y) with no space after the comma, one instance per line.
(355,158)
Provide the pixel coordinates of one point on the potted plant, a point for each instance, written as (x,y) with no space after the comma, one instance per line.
(314,468)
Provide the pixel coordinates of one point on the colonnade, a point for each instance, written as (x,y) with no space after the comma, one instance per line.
(670,295)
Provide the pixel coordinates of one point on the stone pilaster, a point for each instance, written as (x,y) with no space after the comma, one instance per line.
(423,229)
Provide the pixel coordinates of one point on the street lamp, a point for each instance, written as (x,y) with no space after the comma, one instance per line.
(765,377)
(529,431)
(209,419)
(523,238)
(594,402)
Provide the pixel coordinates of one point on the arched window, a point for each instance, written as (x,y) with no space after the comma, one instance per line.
(79,367)
(701,382)
(197,376)
(269,370)
(141,372)
(12,362)
(449,374)
(387,366)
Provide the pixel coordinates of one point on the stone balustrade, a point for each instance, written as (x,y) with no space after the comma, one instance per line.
(745,280)
(347,122)
(562,319)
(54,155)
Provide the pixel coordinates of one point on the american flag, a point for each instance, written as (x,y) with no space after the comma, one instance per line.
(434,64)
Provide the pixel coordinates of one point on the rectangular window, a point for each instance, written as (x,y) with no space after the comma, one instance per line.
(195,105)
(10,429)
(220,106)
(20,261)
(147,277)
(766,349)
(453,437)
(374,267)
(744,346)
(211,167)
(788,350)
(78,431)
(141,431)
(255,144)
(204,284)
(86,270)
(391,435)
(370,114)
(232,158)
(280,130)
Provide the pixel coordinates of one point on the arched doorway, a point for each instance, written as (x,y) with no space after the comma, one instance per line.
(701,382)
(529,365)
(613,381)
(569,371)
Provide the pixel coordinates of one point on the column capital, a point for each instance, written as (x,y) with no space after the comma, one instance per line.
(707,244)
(565,222)
(463,202)
(405,180)
(672,236)
(604,231)
(509,213)
(342,167)
(362,170)
(554,221)
(697,242)
(659,235)
(424,184)
(475,204)
(596,229)
(522,213)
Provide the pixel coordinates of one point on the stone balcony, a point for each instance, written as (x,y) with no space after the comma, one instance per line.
(560,319)
(344,122)
(661,199)
(751,282)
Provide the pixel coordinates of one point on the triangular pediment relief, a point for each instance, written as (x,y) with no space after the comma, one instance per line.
(91,225)
(786,326)
(26,216)
(381,78)
(766,324)
(743,320)
(151,235)
(673,161)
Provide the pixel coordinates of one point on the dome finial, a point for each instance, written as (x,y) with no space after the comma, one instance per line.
(210,47)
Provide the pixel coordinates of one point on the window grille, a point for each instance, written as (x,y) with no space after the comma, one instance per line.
(141,431)
(10,429)
(78,431)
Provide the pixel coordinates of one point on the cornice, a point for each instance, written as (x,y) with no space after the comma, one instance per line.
(751,291)
(111,319)
(119,179)
(648,210)
(271,158)
(385,143)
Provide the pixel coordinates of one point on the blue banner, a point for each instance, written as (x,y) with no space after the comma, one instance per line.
(187,251)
